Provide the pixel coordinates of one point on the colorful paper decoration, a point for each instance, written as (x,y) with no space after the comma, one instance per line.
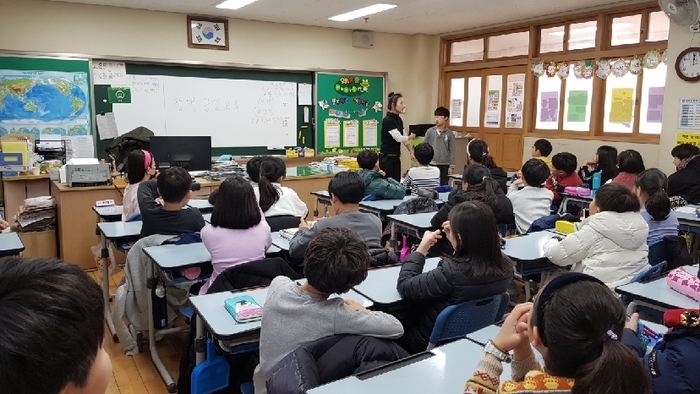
(538,68)
(636,65)
(652,59)
(563,70)
(377,106)
(551,69)
(352,86)
(603,69)
(664,57)
(620,68)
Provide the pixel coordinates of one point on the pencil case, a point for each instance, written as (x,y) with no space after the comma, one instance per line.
(243,309)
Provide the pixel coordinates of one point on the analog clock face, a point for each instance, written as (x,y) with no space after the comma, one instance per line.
(688,64)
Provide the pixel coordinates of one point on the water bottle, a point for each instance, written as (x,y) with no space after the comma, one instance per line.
(596,183)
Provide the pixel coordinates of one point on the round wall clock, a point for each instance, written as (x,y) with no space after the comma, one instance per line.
(688,65)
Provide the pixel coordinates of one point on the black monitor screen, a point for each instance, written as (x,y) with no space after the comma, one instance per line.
(190,153)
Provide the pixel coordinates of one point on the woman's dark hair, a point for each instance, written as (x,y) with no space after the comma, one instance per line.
(478,151)
(684,151)
(578,317)
(393,99)
(136,166)
(607,162)
(236,207)
(478,242)
(252,167)
(478,177)
(271,170)
(630,161)
(653,183)
(616,197)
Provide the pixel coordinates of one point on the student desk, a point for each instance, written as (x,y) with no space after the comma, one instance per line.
(657,294)
(380,284)
(568,199)
(416,224)
(10,244)
(113,213)
(279,241)
(687,220)
(324,198)
(454,180)
(385,207)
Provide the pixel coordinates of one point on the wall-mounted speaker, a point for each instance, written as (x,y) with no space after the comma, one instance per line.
(362,39)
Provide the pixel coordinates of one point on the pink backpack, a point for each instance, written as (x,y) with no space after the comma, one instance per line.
(684,282)
(577,191)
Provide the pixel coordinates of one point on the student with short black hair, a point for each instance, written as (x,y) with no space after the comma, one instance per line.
(650,187)
(274,198)
(478,153)
(252,168)
(629,164)
(140,167)
(611,243)
(51,329)
(533,201)
(172,218)
(425,176)
(685,182)
(376,182)
(541,149)
(442,139)
(563,175)
(238,233)
(604,162)
(334,262)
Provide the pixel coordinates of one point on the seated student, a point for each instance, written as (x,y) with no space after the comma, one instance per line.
(140,166)
(424,176)
(275,199)
(685,182)
(478,153)
(346,190)
(650,187)
(173,185)
(376,183)
(252,168)
(476,269)
(563,174)
(51,329)
(541,150)
(611,243)
(580,344)
(238,233)
(533,200)
(672,363)
(630,164)
(605,162)
(295,314)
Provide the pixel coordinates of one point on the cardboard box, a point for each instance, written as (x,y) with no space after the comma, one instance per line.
(39,244)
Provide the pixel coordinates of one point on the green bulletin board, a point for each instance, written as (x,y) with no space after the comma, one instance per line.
(349,112)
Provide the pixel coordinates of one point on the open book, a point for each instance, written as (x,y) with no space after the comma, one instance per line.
(288,233)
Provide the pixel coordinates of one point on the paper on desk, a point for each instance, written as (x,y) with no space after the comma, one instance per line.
(304,93)
(107,126)
(686,209)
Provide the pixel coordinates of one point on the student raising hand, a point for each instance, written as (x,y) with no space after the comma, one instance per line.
(429,239)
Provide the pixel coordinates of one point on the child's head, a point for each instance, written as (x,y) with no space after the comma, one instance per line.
(368,159)
(236,206)
(614,197)
(272,170)
(395,103)
(683,152)
(541,148)
(336,260)
(346,187)
(535,172)
(475,239)
(442,116)
(252,167)
(650,187)
(478,153)
(606,157)
(140,166)
(51,329)
(563,164)
(174,185)
(477,179)
(577,324)
(424,153)
(630,161)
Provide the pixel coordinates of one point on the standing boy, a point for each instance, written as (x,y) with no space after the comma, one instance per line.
(442,140)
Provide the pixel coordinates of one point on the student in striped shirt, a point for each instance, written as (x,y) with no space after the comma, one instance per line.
(424,176)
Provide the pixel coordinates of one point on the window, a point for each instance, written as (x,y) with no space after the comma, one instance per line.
(492,117)
(549,91)
(578,96)
(456,102)
(507,45)
(620,100)
(653,82)
(626,30)
(582,35)
(474,103)
(658,27)
(552,39)
(467,51)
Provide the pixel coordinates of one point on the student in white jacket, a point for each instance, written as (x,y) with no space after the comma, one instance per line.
(610,244)
(532,202)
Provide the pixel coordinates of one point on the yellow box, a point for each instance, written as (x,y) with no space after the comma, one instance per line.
(292,153)
(351,164)
(564,226)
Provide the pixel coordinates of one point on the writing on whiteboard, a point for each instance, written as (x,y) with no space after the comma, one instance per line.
(206,104)
(143,84)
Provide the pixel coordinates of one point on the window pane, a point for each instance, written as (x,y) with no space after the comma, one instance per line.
(474,102)
(619,103)
(456,101)
(515,85)
(467,51)
(552,39)
(514,44)
(653,82)
(548,91)
(625,30)
(658,26)
(494,84)
(582,35)
(578,95)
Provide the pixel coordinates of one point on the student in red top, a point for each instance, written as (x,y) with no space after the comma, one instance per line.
(563,175)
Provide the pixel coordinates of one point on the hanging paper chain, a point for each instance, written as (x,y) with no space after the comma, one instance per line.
(585,69)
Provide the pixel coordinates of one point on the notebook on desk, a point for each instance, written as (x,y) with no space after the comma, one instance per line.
(288,233)
(243,309)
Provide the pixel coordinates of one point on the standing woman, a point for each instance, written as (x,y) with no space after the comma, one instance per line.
(392,138)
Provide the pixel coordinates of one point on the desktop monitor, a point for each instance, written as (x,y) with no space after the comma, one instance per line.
(191,153)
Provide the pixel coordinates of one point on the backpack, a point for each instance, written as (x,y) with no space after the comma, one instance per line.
(122,146)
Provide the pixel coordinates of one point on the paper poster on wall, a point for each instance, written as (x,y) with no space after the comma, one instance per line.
(688,138)
(456,109)
(622,105)
(350,133)
(514,105)
(304,94)
(108,73)
(331,132)
(689,116)
(578,103)
(656,105)
(549,107)
(369,132)
(493,109)
(107,126)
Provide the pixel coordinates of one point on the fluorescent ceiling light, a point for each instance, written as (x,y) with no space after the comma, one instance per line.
(234,4)
(373,9)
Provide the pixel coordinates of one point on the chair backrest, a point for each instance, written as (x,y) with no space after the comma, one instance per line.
(134,218)
(456,321)
(657,252)
(650,272)
(282,222)
(183,239)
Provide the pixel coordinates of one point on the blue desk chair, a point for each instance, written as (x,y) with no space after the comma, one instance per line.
(657,252)
(456,321)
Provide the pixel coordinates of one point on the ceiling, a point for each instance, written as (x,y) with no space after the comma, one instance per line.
(430,17)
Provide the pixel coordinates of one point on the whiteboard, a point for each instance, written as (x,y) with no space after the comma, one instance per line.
(234,112)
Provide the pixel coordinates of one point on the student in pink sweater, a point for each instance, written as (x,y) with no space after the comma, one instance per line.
(238,232)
